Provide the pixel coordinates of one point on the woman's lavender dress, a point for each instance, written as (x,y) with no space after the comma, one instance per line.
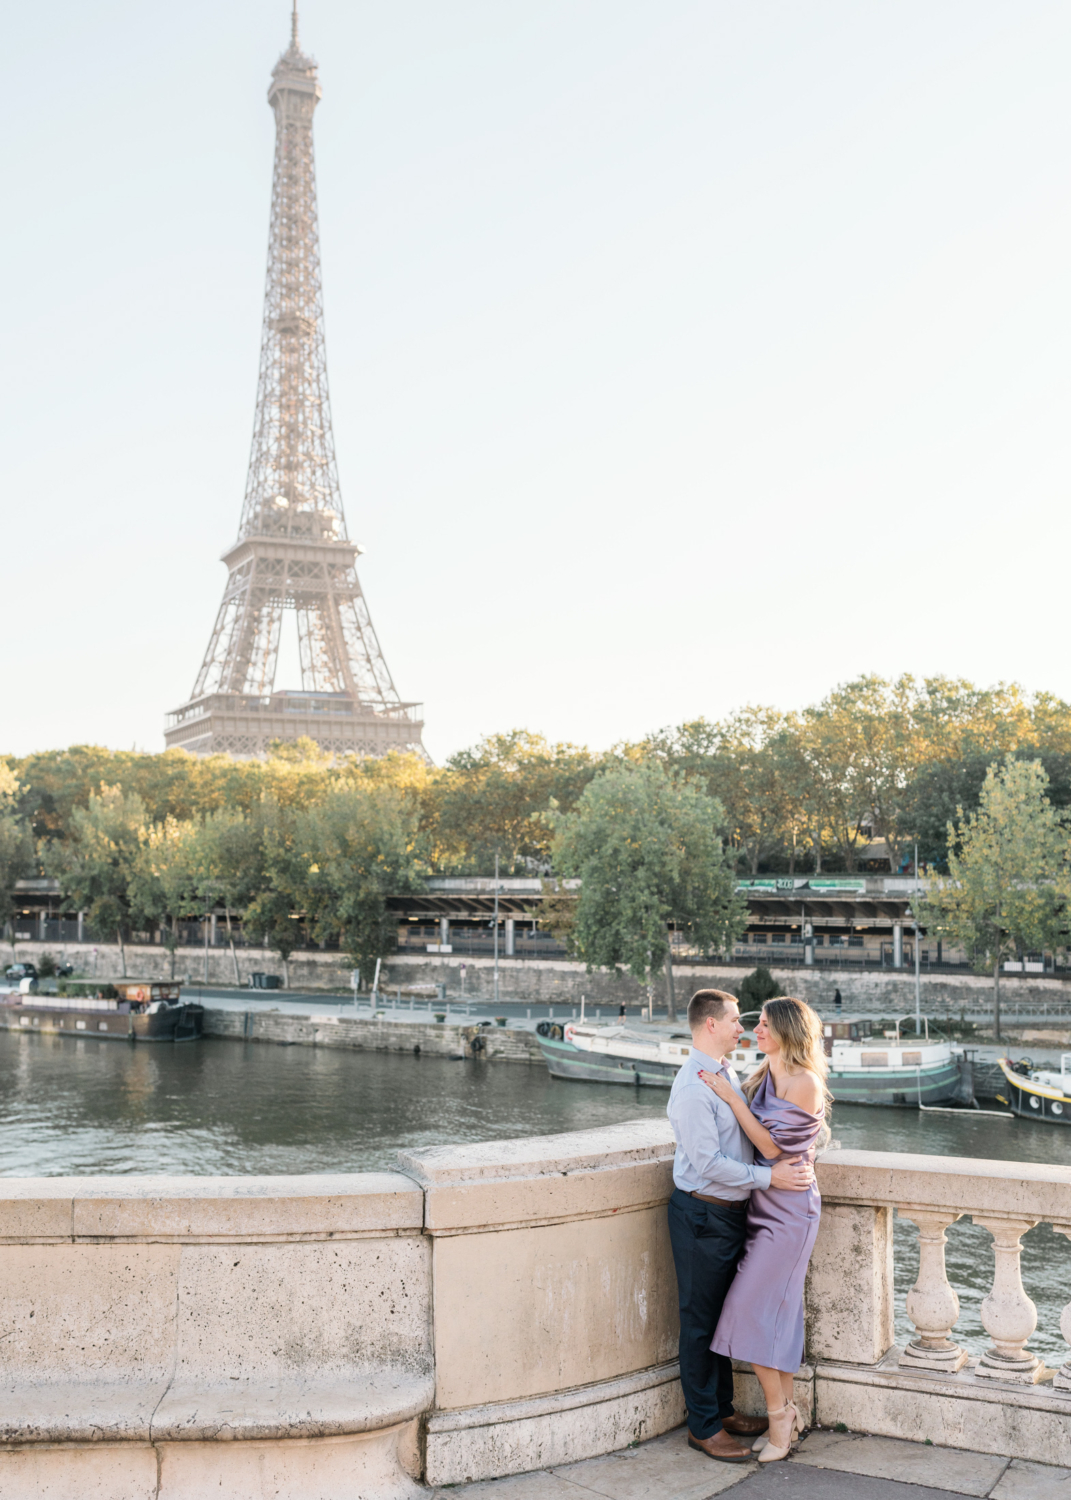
(762,1320)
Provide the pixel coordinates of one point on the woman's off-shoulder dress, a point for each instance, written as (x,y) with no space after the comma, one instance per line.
(762,1320)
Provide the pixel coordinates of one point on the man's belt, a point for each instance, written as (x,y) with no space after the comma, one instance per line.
(737,1203)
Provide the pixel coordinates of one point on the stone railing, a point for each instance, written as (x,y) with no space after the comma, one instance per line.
(1004,1402)
(483,1311)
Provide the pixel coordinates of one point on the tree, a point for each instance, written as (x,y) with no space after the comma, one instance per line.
(159,888)
(94,864)
(739,763)
(495,797)
(1008,883)
(16,845)
(642,841)
(281,887)
(358,847)
(226,858)
(756,988)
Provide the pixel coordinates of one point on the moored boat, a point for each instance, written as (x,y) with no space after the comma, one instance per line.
(140,1010)
(614,1054)
(1038,1093)
(892,1071)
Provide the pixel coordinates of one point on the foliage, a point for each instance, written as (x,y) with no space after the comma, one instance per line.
(96,862)
(1008,883)
(495,798)
(358,847)
(756,988)
(16,844)
(642,841)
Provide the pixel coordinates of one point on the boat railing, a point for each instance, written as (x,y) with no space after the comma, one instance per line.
(910,1017)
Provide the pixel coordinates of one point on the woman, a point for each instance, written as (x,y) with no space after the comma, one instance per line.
(762,1320)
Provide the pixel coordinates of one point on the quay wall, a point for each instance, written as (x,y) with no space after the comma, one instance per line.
(369,1034)
(482,1310)
(559,981)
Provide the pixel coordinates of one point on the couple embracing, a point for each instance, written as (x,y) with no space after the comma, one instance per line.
(743,1217)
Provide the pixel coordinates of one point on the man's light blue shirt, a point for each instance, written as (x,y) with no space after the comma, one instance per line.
(713,1154)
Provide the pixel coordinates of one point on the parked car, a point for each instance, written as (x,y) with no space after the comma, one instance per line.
(21,971)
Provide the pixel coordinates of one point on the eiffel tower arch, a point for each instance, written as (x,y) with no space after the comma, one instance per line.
(293,559)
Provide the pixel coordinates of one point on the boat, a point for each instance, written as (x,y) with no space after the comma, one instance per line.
(137,1010)
(1037,1093)
(614,1054)
(893,1071)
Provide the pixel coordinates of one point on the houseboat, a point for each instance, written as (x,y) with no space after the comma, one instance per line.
(136,1010)
(1038,1093)
(614,1054)
(894,1070)
(861,1071)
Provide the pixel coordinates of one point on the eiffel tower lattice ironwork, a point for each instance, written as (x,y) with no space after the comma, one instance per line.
(292,552)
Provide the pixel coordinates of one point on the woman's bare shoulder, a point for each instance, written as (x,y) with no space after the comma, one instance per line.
(805,1089)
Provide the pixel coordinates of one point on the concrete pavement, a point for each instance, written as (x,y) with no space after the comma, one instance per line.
(828,1466)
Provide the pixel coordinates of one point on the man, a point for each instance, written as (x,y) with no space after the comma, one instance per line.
(713,1174)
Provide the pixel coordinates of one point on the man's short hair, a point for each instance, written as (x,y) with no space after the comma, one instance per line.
(706,1003)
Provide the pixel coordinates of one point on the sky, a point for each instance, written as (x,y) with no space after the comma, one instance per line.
(682,355)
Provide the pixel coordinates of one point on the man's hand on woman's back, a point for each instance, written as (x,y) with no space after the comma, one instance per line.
(796,1175)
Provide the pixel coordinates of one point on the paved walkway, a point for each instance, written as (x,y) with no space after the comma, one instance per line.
(828,1466)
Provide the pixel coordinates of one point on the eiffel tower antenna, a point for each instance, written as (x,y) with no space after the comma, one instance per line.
(293,557)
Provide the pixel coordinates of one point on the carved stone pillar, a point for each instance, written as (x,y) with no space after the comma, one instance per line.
(1008,1315)
(932,1305)
(1061,1381)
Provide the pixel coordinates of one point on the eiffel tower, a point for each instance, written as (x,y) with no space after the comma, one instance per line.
(292,552)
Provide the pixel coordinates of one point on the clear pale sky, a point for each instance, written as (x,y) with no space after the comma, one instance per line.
(682,354)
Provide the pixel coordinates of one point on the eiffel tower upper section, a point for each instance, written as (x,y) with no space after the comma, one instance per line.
(293,552)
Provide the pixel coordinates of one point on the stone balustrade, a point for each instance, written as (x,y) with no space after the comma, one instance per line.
(1004,1402)
(482,1311)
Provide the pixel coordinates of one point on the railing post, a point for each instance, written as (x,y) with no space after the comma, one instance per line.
(849,1292)
(1061,1381)
(932,1304)
(1008,1315)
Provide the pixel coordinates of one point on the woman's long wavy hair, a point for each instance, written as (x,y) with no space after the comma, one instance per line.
(798,1030)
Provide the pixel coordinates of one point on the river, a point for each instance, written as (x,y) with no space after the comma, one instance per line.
(222,1108)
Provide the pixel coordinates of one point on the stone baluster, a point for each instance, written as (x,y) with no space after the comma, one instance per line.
(1008,1315)
(1061,1381)
(932,1305)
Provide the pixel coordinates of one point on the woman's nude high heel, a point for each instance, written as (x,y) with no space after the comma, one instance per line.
(783,1422)
(760,1443)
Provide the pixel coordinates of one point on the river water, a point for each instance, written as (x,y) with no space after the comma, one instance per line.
(222,1108)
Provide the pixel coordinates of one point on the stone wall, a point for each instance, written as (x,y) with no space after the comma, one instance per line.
(559,982)
(368,1034)
(484,1310)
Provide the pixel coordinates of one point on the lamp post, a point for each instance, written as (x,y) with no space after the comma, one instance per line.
(496,929)
(918,959)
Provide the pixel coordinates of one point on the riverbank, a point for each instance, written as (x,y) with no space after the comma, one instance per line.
(542,982)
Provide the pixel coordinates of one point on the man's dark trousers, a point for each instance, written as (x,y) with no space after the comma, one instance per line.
(708,1242)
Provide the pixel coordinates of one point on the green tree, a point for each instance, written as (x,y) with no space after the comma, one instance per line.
(739,762)
(277,907)
(226,858)
(358,847)
(162,887)
(756,988)
(495,797)
(16,846)
(643,843)
(1008,883)
(95,863)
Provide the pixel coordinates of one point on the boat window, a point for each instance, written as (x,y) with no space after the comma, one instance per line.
(912,1059)
(874,1060)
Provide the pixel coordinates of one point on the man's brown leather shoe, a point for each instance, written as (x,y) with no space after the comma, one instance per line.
(721,1446)
(745,1426)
